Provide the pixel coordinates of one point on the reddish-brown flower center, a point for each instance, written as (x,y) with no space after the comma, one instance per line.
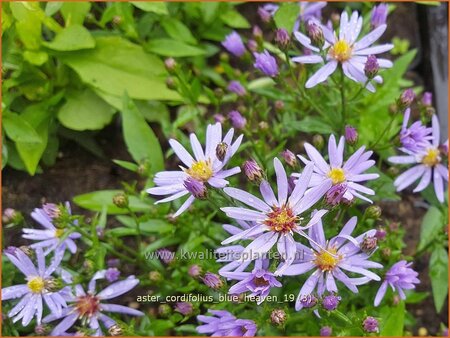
(281,219)
(260,281)
(87,305)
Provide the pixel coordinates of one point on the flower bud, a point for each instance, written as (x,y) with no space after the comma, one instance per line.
(237,120)
(112,274)
(427,99)
(219,118)
(221,150)
(212,280)
(318,141)
(282,38)
(41,329)
(117,20)
(370,325)
(164,310)
(380,234)
(429,112)
(185,308)
(170,83)
(315,33)
(27,251)
(170,64)
(253,171)
(252,45)
(369,244)
(11,216)
(194,270)
(379,15)
(263,125)
(289,157)
(325,331)
(330,302)
(335,194)
(166,255)
(196,188)
(257,32)
(279,105)
(264,14)
(308,301)
(386,253)
(407,98)
(237,88)
(351,135)
(115,330)
(52,210)
(53,284)
(278,317)
(371,67)
(154,276)
(374,212)
(120,200)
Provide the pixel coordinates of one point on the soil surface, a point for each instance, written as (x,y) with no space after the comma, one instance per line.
(77,171)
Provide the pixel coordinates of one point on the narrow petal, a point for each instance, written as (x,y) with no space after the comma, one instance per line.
(424,181)
(268,194)
(121,309)
(118,288)
(438,186)
(374,50)
(322,74)
(244,214)
(370,38)
(380,294)
(181,152)
(308,59)
(196,147)
(282,182)
(247,198)
(185,205)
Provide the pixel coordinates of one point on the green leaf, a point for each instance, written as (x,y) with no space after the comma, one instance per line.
(286,16)
(19,130)
(155,7)
(127,165)
(84,110)
(311,125)
(72,38)
(178,30)
(234,19)
(383,186)
(150,226)
(393,321)
(74,13)
(432,225)
(139,137)
(116,65)
(439,276)
(174,48)
(52,7)
(96,200)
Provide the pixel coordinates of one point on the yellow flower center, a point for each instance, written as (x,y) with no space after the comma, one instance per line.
(431,158)
(341,51)
(59,233)
(36,285)
(327,260)
(337,175)
(201,170)
(281,219)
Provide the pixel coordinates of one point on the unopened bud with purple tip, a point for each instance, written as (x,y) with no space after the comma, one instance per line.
(379,15)
(427,99)
(253,171)
(308,301)
(282,38)
(351,135)
(370,325)
(315,33)
(330,302)
(335,195)
(407,98)
(194,270)
(289,157)
(170,64)
(221,150)
(196,188)
(237,120)
(237,88)
(278,316)
(325,331)
(212,280)
(264,14)
(257,32)
(266,63)
(233,43)
(112,274)
(369,244)
(380,234)
(219,118)
(371,67)
(252,45)
(185,308)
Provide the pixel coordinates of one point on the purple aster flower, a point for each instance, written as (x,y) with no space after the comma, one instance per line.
(348,173)
(371,67)
(415,137)
(237,88)
(344,49)
(282,37)
(326,331)
(112,274)
(89,307)
(206,167)
(266,63)
(427,99)
(407,97)
(222,323)
(49,239)
(194,270)
(307,11)
(379,15)
(39,287)
(233,43)
(237,120)
(351,135)
(329,258)
(331,302)
(196,188)
(276,219)
(212,281)
(185,308)
(427,166)
(252,170)
(370,325)
(399,277)
(259,282)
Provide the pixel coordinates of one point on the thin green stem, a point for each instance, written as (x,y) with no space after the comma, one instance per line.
(388,127)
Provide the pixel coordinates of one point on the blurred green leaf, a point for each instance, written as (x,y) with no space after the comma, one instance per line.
(234,19)
(432,225)
(174,48)
(74,12)
(311,124)
(139,137)
(286,16)
(152,6)
(178,31)
(18,129)
(74,37)
(149,226)
(392,324)
(83,110)
(439,276)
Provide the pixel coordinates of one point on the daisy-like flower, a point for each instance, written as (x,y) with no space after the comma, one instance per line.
(329,258)
(276,219)
(40,287)
(415,137)
(399,277)
(343,49)
(206,167)
(427,165)
(89,307)
(50,237)
(224,324)
(347,174)
(259,281)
